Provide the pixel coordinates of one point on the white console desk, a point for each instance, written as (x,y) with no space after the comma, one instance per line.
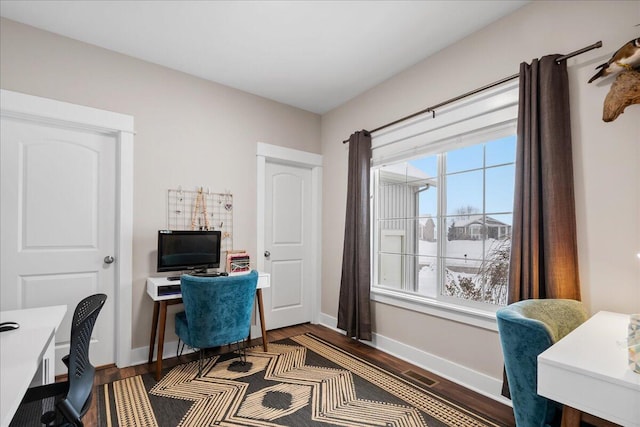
(588,370)
(160,303)
(26,354)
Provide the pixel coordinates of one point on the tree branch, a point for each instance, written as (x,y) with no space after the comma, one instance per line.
(624,91)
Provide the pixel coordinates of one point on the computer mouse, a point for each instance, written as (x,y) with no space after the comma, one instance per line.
(8,326)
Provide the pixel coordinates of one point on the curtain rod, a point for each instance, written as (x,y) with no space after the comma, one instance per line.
(480,89)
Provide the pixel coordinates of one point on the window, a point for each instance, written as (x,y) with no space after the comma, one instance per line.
(442,205)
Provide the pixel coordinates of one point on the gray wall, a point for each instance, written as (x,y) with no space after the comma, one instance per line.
(606,161)
(189,132)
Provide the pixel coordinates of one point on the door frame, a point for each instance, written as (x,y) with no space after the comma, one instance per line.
(276,154)
(45,110)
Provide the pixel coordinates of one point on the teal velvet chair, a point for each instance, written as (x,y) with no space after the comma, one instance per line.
(527,328)
(217,310)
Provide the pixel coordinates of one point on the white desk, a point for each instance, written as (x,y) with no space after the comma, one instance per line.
(588,370)
(26,354)
(160,303)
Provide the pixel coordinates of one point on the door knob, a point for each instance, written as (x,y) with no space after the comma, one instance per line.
(267,254)
(109,259)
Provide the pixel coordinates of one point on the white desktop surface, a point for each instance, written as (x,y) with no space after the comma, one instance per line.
(588,370)
(22,351)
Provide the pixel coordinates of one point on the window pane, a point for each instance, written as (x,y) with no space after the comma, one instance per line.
(495,270)
(397,191)
(464,193)
(465,241)
(428,165)
(464,251)
(499,189)
(462,279)
(428,202)
(499,226)
(395,201)
(501,151)
(391,270)
(393,236)
(394,173)
(427,232)
(465,159)
(428,276)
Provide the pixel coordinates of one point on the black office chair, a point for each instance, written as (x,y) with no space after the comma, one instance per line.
(72,397)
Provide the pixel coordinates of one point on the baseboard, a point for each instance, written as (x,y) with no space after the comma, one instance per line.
(140,355)
(466,377)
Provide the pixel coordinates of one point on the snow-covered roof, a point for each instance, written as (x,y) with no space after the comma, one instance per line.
(477,219)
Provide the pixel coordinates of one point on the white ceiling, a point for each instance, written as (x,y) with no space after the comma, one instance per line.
(314,55)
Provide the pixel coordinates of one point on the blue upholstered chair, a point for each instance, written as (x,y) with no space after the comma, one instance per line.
(217,310)
(527,328)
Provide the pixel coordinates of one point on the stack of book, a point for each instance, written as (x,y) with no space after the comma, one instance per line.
(238,262)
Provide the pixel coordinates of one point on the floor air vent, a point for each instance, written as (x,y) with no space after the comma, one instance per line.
(419,377)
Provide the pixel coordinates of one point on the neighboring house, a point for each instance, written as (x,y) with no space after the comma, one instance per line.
(475,228)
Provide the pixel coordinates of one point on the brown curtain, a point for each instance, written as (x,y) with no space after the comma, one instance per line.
(544,254)
(354,313)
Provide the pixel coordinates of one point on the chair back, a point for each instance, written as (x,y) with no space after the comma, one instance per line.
(218,309)
(527,328)
(81,371)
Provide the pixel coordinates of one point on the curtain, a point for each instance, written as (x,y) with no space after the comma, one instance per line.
(354,312)
(544,254)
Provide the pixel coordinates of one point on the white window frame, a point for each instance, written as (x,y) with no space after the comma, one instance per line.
(454,126)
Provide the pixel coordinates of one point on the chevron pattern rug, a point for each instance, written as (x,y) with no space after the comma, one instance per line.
(302,381)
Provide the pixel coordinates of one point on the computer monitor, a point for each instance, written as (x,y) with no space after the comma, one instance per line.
(180,250)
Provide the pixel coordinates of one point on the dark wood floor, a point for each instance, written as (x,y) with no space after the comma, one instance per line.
(442,386)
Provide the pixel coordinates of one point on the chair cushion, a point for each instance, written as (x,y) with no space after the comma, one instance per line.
(527,328)
(558,316)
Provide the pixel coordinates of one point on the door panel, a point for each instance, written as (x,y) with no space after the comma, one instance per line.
(58,224)
(288,240)
(289,292)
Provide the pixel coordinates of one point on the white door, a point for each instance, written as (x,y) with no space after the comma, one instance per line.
(288,245)
(391,248)
(58,224)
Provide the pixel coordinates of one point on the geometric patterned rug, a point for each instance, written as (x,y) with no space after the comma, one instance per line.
(301,381)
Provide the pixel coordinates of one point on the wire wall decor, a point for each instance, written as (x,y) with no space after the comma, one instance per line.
(201,210)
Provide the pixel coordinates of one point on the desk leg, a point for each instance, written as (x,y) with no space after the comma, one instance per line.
(570,417)
(154,328)
(163,322)
(262,325)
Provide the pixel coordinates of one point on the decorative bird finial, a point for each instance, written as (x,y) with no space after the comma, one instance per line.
(625,58)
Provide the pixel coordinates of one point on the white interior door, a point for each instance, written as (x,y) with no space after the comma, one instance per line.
(58,224)
(288,245)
